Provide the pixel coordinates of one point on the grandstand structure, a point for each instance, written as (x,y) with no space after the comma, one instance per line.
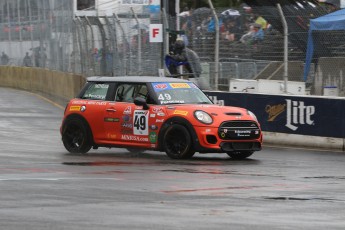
(103,37)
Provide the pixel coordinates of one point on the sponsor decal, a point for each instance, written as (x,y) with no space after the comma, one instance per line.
(243,133)
(153,145)
(152,115)
(111,119)
(274,110)
(297,113)
(179,85)
(126,131)
(111,136)
(153,137)
(74,108)
(96,103)
(159,120)
(179,112)
(128,110)
(127,125)
(126,118)
(78,102)
(157,109)
(160,86)
(134,138)
(173,102)
(82,108)
(153,127)
(161,114)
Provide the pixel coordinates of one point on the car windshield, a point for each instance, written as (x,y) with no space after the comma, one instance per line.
(179,93)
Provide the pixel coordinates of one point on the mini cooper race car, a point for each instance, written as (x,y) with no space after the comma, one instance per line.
(156,113)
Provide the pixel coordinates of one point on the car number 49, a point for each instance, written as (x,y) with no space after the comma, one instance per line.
(140,122)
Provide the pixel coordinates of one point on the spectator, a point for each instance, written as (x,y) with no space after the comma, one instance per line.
(42,58)
(261,21)
(4,59)
(248,37)
(232,31)
(254,35)
(258,33)
(27,60)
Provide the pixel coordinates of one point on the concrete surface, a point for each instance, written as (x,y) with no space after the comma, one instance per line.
(44,187)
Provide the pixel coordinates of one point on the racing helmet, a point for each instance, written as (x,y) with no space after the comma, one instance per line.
(179,44)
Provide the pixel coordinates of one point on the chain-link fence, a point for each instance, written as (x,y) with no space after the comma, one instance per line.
(47,34)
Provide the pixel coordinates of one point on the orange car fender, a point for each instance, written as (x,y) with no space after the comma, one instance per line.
(176,120)
(78,116)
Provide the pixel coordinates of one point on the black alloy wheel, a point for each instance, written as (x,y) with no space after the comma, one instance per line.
(178,142)
(75,136)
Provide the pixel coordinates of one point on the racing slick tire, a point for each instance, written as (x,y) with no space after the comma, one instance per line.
(178,142)
(76,136)
(239,155)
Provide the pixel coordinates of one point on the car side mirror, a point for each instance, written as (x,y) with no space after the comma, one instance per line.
(141,101)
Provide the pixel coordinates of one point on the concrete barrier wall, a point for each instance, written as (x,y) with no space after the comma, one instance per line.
(58,86)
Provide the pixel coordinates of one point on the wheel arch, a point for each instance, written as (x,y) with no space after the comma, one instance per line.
(180,121)
(79,117)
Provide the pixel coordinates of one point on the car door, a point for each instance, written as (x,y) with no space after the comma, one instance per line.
(126,123)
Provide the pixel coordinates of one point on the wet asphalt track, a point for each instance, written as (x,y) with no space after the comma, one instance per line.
(44,187)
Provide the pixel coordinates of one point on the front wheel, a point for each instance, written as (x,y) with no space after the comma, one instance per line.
(240,155)
(75,136)
(178,142)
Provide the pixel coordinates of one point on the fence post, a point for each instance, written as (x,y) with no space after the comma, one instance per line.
(139,40)
(285,47)
(216,53)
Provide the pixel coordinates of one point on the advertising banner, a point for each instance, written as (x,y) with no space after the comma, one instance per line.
(291,114)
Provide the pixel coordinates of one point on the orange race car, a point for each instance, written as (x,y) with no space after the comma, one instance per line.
(156,113)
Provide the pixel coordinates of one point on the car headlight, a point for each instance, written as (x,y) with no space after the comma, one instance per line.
(203,117)
(252,115)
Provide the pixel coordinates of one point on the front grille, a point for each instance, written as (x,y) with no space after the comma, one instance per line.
(239,130)
(240,146)
(239,124)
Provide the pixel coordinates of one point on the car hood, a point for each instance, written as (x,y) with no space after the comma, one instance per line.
(219,113)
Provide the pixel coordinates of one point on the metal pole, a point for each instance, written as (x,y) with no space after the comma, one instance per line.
(216,53)
(92,64)
(166,26)
(9,27)
(177,10)
(139,39)
(125,42)
(285,47)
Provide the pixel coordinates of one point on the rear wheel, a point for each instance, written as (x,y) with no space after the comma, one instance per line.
(178,142)
(76,136)
(240,155)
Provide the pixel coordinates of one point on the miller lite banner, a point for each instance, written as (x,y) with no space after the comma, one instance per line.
(290,114)
(156,33)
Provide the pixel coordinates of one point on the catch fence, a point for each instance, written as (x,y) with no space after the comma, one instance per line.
(118,44)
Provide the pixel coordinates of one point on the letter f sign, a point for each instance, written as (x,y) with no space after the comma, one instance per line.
(156,34)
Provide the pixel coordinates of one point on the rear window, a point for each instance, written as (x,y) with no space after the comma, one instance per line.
(96,91)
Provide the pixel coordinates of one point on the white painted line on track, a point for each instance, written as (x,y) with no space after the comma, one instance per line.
(56,179)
